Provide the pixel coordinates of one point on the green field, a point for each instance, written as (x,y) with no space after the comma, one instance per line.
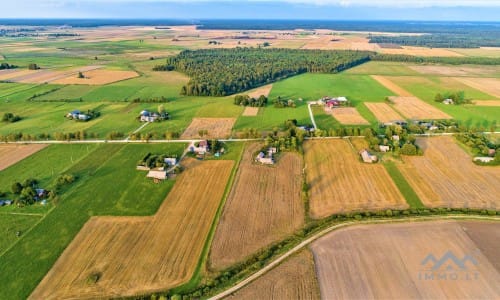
(107,184)
(11,225)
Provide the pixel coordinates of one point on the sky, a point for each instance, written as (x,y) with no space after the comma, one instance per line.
(435,10)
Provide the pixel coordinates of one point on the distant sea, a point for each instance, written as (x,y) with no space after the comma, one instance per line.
(385,26)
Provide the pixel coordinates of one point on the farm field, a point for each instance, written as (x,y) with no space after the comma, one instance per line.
(383,112)
(421,51)
(446,176)
(260,91)
(98,77)
(462,70)
(293,279)
(105,245)
(487,85)
(493,103)
(339,182)
(392,269)
(264,206)
(11,224)
(414,108)
(348,116)
(250,111)
(386,82)
(11,154)
(216,128)
(95,166)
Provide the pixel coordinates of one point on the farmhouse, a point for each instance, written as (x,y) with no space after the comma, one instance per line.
(170,161)
(147,116)
(266,160)
(367,157)
(201,148)
(384,148)
(78,115)
(157,175)
(448,101)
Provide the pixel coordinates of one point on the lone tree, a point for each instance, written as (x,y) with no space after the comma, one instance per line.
(80,75)
(33,66)
(202,132)
(161,109)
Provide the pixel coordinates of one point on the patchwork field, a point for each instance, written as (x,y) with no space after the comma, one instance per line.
(11,154)
(293,279)
(264,206)
(494,103)
(46,76)
(348,116)
(463,70)
(421,51)
(216,127)
(98,77)
(383,112)
(260,91)
(124,256)
(250,111)
(488,85)
(386,261)
(386,82)
(414,108)
(446,176)
(339,182)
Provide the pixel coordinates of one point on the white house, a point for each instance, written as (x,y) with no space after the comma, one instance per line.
(384,148)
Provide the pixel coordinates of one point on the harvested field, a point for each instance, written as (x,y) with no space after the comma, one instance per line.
(293,279)
(486,102)
(384,261)
(339,182)
(455,70)
(217,128)
(383,112)
(488,85)
(11,154)
(263,207)
(126,256)
(263,90)
(359,143)
(396,89)
(250,111)
(446,176)
(421,51)
(348,116)
(98,77)
(42,76)
(414,108)
(13,73)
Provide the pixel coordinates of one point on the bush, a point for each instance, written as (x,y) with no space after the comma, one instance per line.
(408,149)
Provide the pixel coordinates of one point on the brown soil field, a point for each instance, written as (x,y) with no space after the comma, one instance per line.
(137,255)
(414,108)
(348,116)
(385,261)
(486,102)
(11,154)
(217,128)
(250,111)
(263,90)
(421,51)
(339,182)
(383,112)
(396,89)
(488,85)
(98,77)
(455,70)
(263,207)
(293,279)
(446,176)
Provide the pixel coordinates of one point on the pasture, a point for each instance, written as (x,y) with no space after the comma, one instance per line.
(293,279)
(11,154)
(264,206)
(11,225)
(392,266)
(339,182)
(446,176)
(159,252)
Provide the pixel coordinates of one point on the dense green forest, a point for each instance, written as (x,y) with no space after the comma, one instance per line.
(221,72)
(449,40)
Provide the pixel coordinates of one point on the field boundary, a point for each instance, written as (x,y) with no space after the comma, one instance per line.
(313,238)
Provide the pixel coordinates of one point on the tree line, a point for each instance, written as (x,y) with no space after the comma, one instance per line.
(221,72)
(5,66)
(471,40)
(454,60)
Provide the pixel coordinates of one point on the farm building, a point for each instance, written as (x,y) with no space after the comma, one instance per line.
(171,161)
(484,159)
(384,148)
(78,115)
(157,175)
(5,202)
(448,101)
(201,148)
(147,116)
(367,157)
(266,160)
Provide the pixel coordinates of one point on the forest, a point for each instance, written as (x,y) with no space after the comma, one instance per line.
(449,40)
(221,72)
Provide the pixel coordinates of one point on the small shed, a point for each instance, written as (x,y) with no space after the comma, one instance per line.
(484,159)
(367,157)
(171,161)
(384,148)
(157,175)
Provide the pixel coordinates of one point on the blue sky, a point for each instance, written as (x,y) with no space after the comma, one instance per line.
(438,10)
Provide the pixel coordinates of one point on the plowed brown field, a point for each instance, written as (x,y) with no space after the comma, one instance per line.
(446,176)
(386,261)
(264,206)
(293,279)
(217,128)
(135,255)
(339,182)
(11,154)
(383,112)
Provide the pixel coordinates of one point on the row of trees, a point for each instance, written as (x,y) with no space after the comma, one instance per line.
(10,118)
(455,60)
(4,66)
(458,97)
(221,72)
(245,100)
(479,144)
(448,40)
